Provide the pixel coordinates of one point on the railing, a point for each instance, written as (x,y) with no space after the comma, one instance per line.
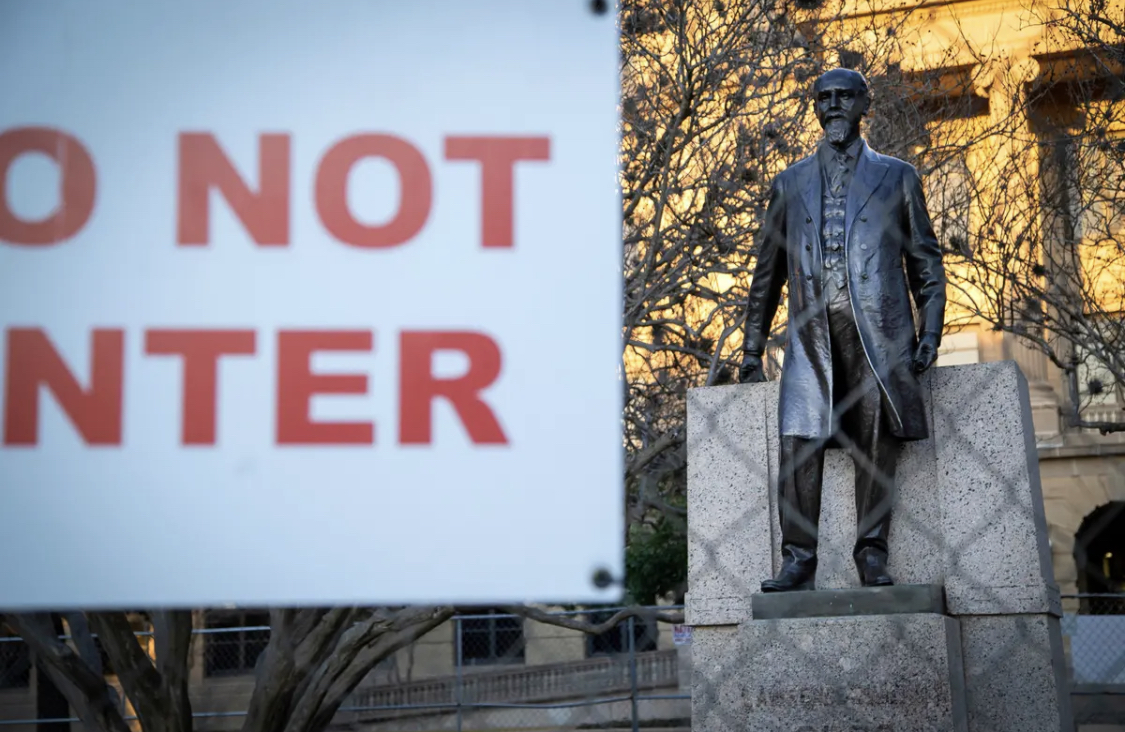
(607,675)
(1110,413)
(615,686)
(587,692)
(485,675)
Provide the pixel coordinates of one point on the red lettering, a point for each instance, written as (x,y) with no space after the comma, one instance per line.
(296,385)
(200,351)
(76,192)
(498,157)
(32,361)
(332,191)
(204,165)
(419,387)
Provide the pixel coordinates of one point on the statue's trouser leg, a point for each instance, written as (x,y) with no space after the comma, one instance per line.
(799,480)
(872,446)
(875,459)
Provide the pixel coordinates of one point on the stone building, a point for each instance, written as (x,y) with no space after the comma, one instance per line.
(1042,85)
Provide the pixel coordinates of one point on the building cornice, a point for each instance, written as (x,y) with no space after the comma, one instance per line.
(1084,450)
(978,30)
(935,8)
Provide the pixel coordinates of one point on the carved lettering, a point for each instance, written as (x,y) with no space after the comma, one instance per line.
(847,696)
(845,727)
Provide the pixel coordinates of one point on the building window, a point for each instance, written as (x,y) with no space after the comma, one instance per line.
(233,642)
(850,59)
(1101,397)
(15,661)
(492,638)
(616,639)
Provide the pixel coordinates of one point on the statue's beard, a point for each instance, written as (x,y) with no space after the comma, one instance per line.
(837,131)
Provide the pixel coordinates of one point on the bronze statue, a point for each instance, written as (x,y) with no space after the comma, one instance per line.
(839,227)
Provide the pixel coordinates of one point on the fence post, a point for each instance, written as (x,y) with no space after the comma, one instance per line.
(457,688)
(633,672)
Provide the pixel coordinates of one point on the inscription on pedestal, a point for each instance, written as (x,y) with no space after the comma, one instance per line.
(900,694)
(848,728)
(853,704)
(866,673)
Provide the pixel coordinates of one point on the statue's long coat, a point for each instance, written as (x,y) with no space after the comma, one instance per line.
(885,227)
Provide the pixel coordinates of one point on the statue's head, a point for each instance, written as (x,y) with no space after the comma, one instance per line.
(841,100)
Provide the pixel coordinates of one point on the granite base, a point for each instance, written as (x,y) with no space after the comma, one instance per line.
(878,673)
(968,516)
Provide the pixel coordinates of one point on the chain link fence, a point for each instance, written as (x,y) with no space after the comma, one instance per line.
(15,664)
(479,671)
(509,673)
(1097,638)
(968,515)
(502,672)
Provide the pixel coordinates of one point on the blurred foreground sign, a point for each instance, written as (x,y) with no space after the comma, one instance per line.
(308,303)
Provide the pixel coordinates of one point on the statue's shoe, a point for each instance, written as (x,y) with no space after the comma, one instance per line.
(798,571)
(872,566)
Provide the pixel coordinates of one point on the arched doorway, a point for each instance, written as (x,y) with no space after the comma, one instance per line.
(1099,553)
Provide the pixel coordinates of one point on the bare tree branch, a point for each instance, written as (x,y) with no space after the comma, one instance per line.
(573,623)
(85,689)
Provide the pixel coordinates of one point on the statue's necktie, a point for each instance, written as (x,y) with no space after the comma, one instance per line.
(839,174)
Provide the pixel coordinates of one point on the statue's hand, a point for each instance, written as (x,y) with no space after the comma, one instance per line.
(926,353)
(751,371)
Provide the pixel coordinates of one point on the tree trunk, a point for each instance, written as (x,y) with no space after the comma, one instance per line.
(93,700)
(50,703)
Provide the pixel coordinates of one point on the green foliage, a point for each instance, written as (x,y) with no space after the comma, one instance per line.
(656,560)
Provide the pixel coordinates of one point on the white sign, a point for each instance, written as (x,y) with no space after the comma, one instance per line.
(308,302)
(681,635)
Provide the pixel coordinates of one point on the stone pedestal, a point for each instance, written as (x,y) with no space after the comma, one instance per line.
(968,516)
(885,673)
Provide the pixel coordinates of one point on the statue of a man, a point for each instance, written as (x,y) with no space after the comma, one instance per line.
(839,227)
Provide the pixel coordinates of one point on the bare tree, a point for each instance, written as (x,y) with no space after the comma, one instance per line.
(314,660)
(1023,172)
(1049,259)
(715,103)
